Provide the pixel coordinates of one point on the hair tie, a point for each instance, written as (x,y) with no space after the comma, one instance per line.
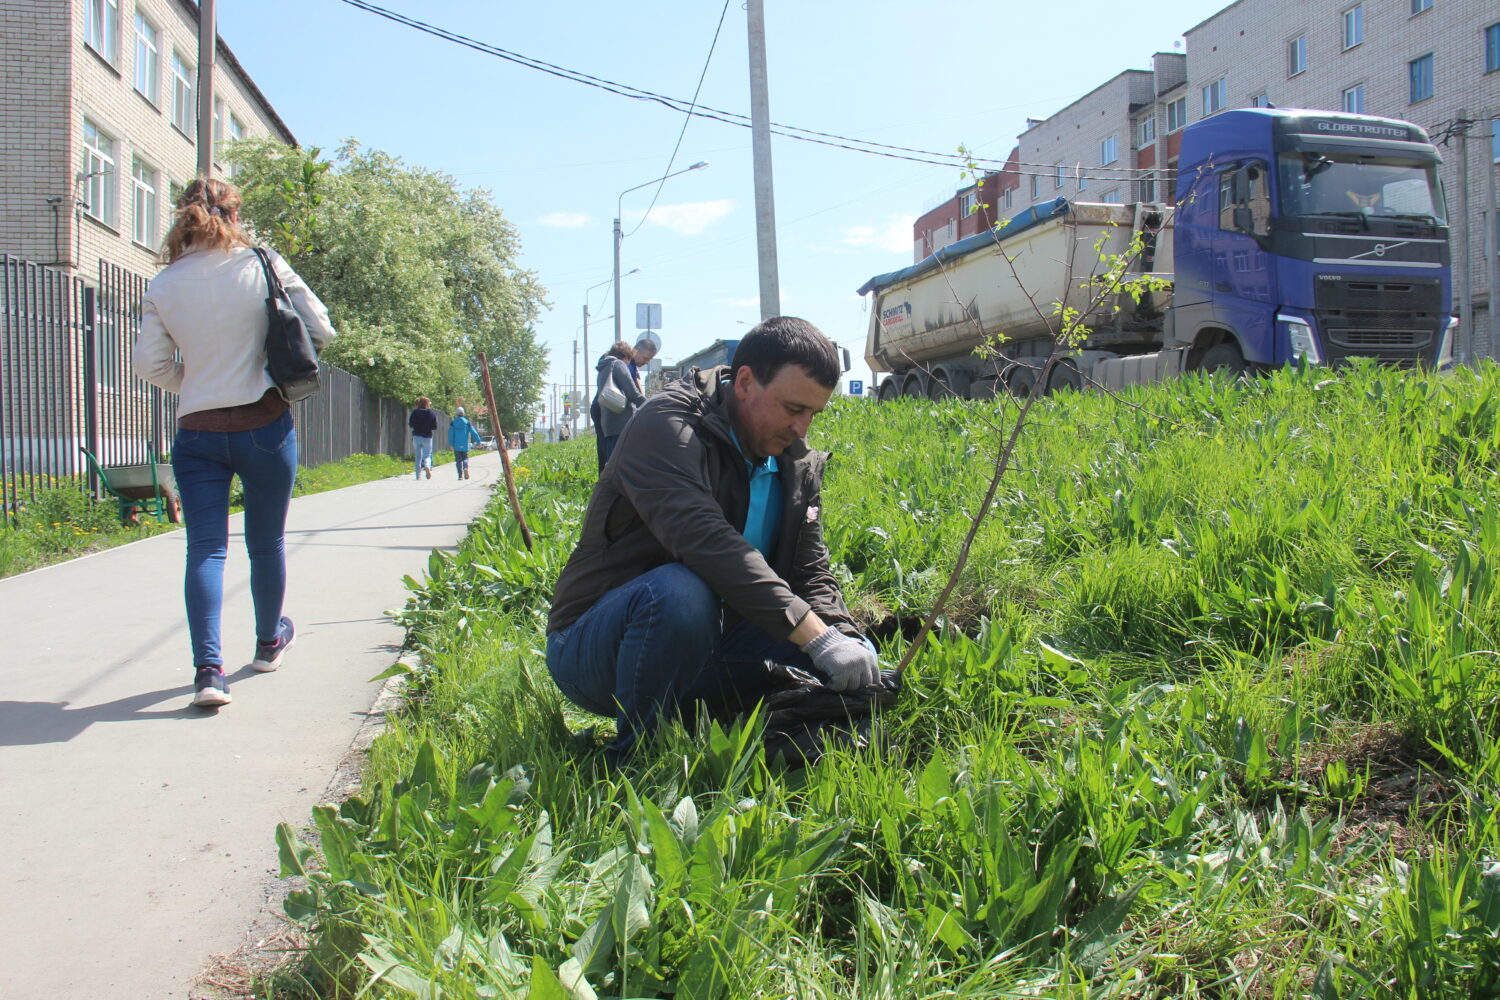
(216,210)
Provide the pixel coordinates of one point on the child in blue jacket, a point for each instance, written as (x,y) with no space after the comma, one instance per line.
(461,434)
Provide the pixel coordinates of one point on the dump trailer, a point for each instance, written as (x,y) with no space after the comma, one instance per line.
(1294,235)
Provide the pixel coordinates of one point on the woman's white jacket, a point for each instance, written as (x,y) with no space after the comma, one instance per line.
(210,305)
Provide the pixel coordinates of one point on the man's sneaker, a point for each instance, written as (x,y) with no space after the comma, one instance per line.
(268,656)
(209,689)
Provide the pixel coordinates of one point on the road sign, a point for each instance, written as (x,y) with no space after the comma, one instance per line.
(856,387)
(648,315)
(567,397)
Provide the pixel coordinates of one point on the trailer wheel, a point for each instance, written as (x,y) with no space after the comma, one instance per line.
(888,390)
(948,384)
(914,385)
(1224,357)
(1020,380)
(1064,376)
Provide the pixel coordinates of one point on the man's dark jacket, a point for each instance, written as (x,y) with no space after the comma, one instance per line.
(677,490)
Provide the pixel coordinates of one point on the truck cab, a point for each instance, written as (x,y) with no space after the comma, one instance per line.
(1309,234)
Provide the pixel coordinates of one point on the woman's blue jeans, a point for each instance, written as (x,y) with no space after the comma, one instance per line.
(423,448)
(204,462)
(656,647)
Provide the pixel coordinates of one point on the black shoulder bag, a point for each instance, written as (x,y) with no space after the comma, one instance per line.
(291,359)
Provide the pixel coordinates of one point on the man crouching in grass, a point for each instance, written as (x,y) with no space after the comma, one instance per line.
(702,551)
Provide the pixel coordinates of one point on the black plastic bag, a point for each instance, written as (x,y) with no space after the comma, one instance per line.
(805,719)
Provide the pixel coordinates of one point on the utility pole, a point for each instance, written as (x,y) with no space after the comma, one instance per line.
(1465,295)
(207,32)
(573,412)
(760,146)
(585,348)
(1492,238)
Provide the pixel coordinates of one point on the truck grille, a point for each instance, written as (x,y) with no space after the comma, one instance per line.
(1355,339)
(1396,321)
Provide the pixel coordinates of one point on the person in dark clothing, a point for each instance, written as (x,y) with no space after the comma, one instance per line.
(701,554)
(423,423)
(613,370)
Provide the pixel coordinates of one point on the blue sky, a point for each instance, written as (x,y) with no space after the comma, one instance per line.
(556,155)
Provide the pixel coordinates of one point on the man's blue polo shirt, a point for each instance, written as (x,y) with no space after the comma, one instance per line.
(763,517)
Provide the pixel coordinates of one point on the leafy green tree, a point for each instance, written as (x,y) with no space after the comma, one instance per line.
(417,273)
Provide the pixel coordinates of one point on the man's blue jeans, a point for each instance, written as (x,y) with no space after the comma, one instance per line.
(655,647)
(460,462)
(204,462)
(423,448)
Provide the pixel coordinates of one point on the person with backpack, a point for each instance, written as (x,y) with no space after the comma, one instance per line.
(208,305)
(461,434)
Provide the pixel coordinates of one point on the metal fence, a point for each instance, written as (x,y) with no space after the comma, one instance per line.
(67,382)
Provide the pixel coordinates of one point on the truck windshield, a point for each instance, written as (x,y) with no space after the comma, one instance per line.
(1318,184)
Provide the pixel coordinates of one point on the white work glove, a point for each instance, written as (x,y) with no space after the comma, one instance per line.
(849,663)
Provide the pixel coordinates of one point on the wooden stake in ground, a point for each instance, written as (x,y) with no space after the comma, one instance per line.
(510,479)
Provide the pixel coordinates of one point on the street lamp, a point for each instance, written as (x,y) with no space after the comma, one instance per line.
(633,270)
(620,236)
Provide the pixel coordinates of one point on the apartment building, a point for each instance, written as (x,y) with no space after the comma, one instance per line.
(99,107)
(1432,62)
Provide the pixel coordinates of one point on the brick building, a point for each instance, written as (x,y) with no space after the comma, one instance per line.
(99,107)
(1432,62)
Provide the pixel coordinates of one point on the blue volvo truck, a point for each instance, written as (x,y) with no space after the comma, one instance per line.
(1294,234)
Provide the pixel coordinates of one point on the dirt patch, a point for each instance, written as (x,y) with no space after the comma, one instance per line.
(1406,784)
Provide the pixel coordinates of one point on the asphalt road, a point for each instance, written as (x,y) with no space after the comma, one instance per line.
(136,831)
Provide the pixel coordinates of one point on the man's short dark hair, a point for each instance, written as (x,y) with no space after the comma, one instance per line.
(787,340)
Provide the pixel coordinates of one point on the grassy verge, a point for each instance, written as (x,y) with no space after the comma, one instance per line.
(63,523)
(1215,715)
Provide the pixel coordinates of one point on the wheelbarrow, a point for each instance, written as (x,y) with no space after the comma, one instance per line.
(140,489)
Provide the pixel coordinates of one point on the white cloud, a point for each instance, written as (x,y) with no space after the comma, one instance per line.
(893,235)
(566,220)
(688,218)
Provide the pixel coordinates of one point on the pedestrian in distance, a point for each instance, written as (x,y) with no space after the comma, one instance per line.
(701,554)
(641,355)
(203,336)
(613,371)
(423,423)
(461,434)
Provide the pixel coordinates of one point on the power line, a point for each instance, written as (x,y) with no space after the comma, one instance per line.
(866,146)
(687,118)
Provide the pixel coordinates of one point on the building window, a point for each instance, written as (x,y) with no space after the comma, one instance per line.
(1109,150)
(182,95)
(1417,6)
(101,27)
(1420,73)
(1354,99)
(1148,131)
(1214,97)
(1057,175)
(1147,190)
(98,173)
(1110,197)
(1296,55)
(1010,197)
(1492,48)
(236,128)
(1176,115)
(144,180)
(968,204)
(1261,100)
(147,60)
(1036,186)
(1354,26)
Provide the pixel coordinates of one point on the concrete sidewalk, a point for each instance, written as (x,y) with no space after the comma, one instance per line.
(136,832)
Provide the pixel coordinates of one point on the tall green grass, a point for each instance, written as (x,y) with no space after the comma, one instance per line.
(1213,715)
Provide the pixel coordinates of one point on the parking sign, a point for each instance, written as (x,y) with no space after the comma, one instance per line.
(856,387)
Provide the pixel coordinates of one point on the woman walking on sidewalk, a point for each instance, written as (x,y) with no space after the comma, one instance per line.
(209,304)
(423,423)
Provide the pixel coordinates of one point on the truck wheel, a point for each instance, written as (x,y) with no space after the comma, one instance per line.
(1064,376)
(1224,357)
(1020,381)
(888,390)
(914,385)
